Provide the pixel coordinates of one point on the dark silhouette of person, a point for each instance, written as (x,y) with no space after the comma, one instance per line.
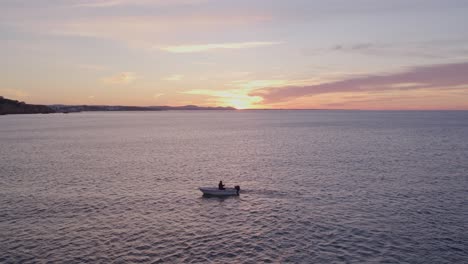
(221,185)
(237,187)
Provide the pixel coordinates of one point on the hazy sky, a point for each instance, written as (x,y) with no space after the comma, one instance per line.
(360,54)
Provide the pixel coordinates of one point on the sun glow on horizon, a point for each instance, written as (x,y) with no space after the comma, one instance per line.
(239,103)
(240,99)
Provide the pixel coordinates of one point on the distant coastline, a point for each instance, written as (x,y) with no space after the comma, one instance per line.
(91,108)
(9,106)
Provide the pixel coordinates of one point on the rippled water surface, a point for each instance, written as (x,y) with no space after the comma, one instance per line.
(317,187)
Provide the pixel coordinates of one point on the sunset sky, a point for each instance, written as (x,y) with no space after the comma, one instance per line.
(334,54)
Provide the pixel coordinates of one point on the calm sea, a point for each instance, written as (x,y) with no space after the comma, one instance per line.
(317,187)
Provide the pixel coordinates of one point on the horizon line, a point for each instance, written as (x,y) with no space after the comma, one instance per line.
(242,109)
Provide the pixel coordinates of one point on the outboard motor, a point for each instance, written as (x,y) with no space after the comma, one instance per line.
(237,187)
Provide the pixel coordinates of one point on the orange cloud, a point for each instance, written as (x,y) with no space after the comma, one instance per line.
(120,78)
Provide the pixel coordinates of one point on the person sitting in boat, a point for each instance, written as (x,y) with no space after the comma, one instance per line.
(221,185)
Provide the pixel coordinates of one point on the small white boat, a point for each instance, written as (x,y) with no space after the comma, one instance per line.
(213,191)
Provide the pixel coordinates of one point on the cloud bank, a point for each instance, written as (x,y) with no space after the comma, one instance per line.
(114,3)
(443,76)
(207,47)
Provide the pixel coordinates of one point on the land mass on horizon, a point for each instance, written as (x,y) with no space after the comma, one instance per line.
(9,106)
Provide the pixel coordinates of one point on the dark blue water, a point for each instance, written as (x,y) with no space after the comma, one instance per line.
(317,187)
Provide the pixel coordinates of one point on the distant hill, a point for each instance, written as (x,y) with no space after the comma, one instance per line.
(90,108)
(87,108)
(8,106)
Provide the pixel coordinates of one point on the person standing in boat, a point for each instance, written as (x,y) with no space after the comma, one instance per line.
(221,185)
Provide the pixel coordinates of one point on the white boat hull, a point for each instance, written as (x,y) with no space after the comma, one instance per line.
(213,191)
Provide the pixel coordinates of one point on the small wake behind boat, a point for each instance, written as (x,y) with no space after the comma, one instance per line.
(213,191)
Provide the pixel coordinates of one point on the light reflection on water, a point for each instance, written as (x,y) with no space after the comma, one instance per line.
(317,186)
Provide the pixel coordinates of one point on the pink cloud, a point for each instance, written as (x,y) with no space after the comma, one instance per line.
(428,77)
